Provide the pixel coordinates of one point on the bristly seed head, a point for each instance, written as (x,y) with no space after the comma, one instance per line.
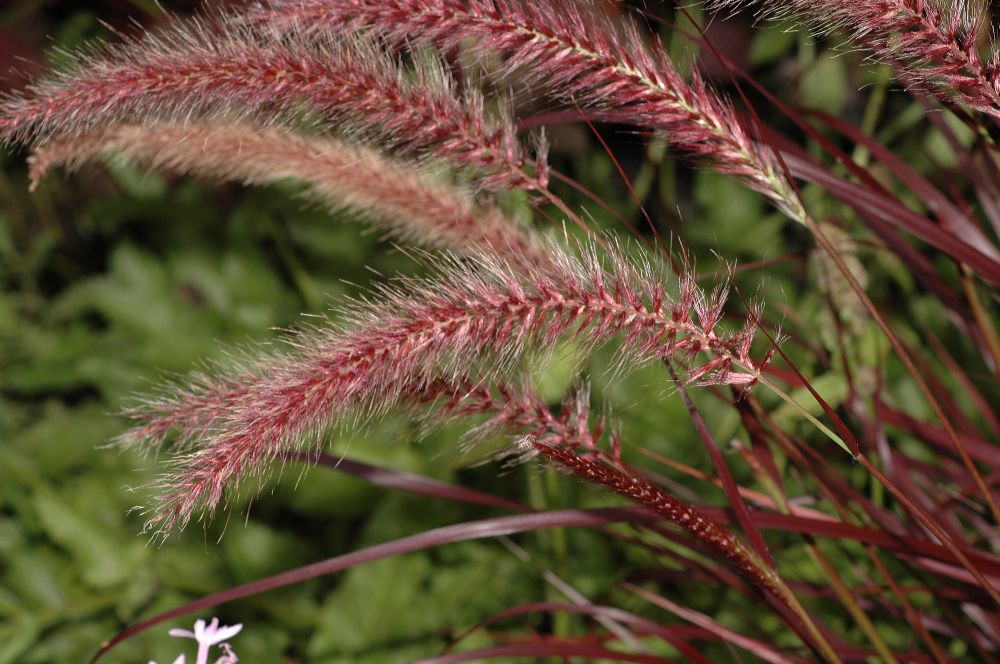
(480,318)
(191,69)
(411,201)
(573,50)
(930,43)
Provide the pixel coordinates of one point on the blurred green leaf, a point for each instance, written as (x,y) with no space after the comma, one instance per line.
(769,45)
(103,564)
(16,637)
(732,221)
(825,84)
(376,605)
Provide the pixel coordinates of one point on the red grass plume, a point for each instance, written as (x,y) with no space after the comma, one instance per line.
(192,70)
(931,43)
(480,319)
(408,200)
(574,50)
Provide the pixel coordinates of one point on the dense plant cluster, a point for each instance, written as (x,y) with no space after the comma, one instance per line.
(425,119)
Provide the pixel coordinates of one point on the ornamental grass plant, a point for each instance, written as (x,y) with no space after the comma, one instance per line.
(698,342)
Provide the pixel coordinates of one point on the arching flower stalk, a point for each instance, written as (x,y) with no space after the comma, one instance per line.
(705,531)
(191,70)
(575,51)
(487,317)
(932,44)
(409,201)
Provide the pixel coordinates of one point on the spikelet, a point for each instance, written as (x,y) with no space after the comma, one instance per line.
(639,489)
(511,408)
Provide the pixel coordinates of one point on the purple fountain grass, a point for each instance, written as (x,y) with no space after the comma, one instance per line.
(644,492)
(409,201)
(575,51)
(219,464)
(253,97)
(487,316)
(191,70)
(931,43)
(706,532)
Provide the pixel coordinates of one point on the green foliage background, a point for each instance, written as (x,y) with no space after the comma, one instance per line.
(113,279)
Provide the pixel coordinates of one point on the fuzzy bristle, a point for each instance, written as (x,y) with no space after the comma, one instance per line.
(932,44)
(484,316)
(575,51)
(192,70)
(408,200)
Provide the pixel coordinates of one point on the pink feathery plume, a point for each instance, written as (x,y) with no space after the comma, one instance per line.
(931,43)
(574,50)
(408,200)
(480,319)
(191,70)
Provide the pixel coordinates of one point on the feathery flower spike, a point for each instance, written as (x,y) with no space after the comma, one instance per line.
(405,199)
(573,49)
(190,70)
(930,43)
(485,316)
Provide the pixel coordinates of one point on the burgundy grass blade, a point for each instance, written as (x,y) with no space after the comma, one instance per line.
(951,217)
(463,532)
(868,202)
(410,482)
(764,651)
(728,483)
(643,625)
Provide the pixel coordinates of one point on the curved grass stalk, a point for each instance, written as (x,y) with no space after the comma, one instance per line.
(572,49)
(930,43)
(191,70)
(408,200)
(408,338)
(705,531)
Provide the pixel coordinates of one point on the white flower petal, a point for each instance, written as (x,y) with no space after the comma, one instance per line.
(227,632)
(199,629)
